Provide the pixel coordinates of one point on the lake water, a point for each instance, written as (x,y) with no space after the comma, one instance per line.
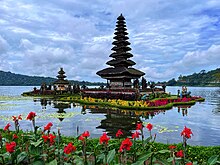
(203,118)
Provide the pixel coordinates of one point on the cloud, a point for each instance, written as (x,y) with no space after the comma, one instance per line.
(199,59)
(3,45)
(166,36)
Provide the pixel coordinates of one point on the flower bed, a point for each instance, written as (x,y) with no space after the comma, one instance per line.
(164,103)
(40,146)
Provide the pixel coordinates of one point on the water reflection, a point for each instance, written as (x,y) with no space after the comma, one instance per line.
(61,106)
(183,109)
(125,120)
(114,120)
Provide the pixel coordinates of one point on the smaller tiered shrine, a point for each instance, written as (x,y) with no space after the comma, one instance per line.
(61,84)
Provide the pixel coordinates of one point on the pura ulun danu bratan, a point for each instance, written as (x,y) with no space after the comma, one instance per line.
(121,72)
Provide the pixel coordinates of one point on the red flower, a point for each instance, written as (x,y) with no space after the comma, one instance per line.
(69,148)
(119,133)
(81,138)
(6,128)
(139,126)
(45,137)
(125,145)
(149,126)
(48,126)
(86,134)
(186,132)
(16,118)
(172,147)
(15,136)
(180,153)
(136,135)
(104,139)
(31,116)
(189,163)
(52,137)
(10,147)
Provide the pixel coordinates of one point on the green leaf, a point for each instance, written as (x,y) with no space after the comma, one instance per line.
(78,160)
(138,163)
(110,156)
(38,163)
(100,157)
(53,162)
(213,159)
(21,157)
(145,157)
(6,155)
(37,143)
(163,161)
(170,159)
(146,141)
(65,163)
(195,163)
(164,151)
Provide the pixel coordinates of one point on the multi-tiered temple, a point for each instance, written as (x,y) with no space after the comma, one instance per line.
(121,72)
(61,84)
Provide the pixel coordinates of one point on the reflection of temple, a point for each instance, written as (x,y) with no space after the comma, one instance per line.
(61,106)
(121,119)
(116,120)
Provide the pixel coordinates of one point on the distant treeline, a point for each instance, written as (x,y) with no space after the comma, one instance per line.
(203,78)
(12,79)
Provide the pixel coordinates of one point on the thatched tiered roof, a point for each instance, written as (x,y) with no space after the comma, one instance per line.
(121,66)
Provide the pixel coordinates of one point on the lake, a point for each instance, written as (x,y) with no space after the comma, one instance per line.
(203,118)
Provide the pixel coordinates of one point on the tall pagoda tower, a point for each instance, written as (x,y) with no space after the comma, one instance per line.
(121,71)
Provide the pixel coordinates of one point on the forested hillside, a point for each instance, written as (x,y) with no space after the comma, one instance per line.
(12,79)
(203,78)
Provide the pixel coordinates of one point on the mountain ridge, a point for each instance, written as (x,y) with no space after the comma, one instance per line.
(13,79)
(203,78)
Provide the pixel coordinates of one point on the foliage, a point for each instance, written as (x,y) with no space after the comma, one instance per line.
(44,147)
(211,78)
(158,103)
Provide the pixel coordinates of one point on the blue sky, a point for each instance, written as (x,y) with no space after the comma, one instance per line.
(168,37)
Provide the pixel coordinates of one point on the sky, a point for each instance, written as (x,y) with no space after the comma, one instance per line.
(168,37)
